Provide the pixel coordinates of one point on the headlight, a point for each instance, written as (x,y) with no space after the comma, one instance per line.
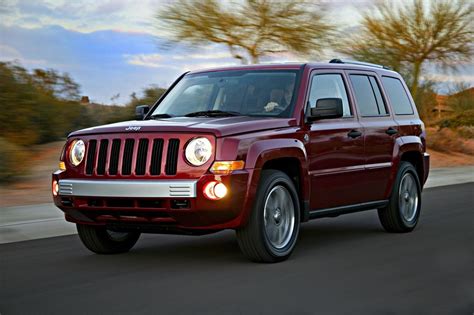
(198,151)
(76,153)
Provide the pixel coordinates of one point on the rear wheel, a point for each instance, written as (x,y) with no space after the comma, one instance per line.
(403,210)
(273,227)
(100,240)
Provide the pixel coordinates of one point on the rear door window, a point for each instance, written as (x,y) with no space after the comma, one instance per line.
(368,96)
(398,96)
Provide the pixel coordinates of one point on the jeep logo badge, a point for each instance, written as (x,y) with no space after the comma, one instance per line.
(132,128)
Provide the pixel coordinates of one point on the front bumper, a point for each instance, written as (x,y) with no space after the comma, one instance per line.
(155,204)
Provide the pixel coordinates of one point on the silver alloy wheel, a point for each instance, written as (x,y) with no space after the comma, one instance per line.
(117,236)
(279,217)
(408,197)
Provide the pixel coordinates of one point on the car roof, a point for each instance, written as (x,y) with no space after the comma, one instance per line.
(298,66)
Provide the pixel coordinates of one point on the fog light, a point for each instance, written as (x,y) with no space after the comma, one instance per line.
(215,190)
(55,188)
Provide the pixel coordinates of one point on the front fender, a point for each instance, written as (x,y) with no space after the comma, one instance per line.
(263,151)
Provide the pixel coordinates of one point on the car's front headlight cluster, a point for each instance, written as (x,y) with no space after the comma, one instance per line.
(76,152)
(198,151)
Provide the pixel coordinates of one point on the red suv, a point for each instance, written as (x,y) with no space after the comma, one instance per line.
(258,149)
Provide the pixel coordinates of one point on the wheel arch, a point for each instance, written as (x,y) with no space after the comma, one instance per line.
(408,149)
(286,155)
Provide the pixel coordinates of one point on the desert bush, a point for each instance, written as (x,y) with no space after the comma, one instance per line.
(12,160)
(464,118)
(448,140)
(466,132)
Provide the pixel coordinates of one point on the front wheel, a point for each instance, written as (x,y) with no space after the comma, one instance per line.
(403,210)
(100,240)
(272,230)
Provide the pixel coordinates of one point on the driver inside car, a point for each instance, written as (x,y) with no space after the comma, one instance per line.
(280,98)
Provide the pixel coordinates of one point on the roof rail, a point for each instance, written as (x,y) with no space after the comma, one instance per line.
(360,63)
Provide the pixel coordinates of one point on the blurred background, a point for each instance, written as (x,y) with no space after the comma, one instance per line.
(67,65)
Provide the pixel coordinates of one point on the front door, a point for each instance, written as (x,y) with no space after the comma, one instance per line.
(335,147)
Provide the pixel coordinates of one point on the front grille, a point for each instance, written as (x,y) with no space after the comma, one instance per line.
(131,157)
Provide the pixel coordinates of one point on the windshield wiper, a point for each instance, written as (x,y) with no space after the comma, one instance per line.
(212,113)
(160,116)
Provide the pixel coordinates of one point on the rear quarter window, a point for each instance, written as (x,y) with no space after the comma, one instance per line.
(398,96)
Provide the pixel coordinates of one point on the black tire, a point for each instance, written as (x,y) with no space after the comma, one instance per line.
(253,240)
(102,241)
(391,216)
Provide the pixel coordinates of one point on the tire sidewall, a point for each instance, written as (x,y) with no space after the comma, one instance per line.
(277,178)
(404,169)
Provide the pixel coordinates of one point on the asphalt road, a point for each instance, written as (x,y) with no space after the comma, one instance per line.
(345,265)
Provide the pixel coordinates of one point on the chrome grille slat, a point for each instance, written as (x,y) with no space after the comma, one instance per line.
(65,189)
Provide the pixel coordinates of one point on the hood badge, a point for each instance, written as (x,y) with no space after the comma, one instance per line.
(132,128)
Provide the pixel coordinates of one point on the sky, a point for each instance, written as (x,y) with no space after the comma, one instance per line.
(112,47)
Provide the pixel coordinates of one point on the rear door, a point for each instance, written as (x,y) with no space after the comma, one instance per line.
(380,132)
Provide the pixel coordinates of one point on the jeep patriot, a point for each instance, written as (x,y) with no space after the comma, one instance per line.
(258,149)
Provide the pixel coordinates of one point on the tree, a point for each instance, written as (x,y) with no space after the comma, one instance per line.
(250,29)
(53,83)
(408,36)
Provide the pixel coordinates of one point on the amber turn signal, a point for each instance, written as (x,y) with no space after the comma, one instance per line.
(62,166)
(226,167)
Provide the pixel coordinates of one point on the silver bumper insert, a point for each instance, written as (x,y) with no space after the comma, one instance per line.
(128,188)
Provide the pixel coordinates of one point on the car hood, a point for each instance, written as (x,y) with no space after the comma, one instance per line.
(220,127)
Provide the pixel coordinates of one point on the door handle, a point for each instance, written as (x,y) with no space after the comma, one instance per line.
(391,131)
(354,134)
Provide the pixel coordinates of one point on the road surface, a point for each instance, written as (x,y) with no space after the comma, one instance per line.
(345,265)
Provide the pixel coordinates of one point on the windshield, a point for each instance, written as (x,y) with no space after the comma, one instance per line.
(245,92)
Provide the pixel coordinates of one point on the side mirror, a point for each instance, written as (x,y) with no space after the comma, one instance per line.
(141,111)
(327,108)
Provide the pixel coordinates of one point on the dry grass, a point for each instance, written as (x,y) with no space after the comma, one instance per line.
(35,185)
(451,141)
